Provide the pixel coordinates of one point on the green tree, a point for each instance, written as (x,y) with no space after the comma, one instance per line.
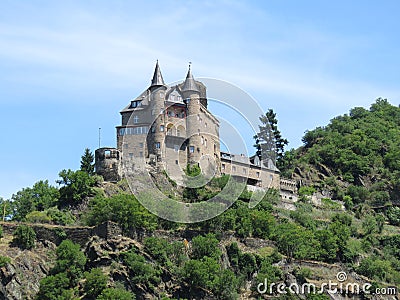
(393,215)
(115,294)
(87,162)
(340,228)
(75,186)
(269,141)
(205,246)
(70,260)
(7,209)
(329,247)
(201,273)
(142,271)
(295,241)
(95,282)
(54,287)
(226,285)
(24,237)
(123,209)
(370,225)
(38,198)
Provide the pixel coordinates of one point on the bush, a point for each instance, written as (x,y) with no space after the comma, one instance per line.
(205,246)
(115,294)
(70,259)
(123,209)
(142,271)
(38,217)
(24,237)
(4,260)
(54,287)
(393,215)
(95,283)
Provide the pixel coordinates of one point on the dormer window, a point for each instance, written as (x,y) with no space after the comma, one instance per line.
(135,104)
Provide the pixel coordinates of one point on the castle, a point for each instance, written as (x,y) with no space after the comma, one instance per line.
(170,127)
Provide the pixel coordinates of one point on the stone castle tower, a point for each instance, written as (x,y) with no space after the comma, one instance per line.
(170,127)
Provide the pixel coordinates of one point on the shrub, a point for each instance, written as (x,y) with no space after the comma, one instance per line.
(142,271)
(205,246)
(24,237)
(38,217)
(4,260)
(393,215)
(115,294)
(53,287)
(70,259)
(95,282)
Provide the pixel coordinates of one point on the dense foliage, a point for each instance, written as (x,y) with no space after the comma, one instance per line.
(24,237)
(361,149)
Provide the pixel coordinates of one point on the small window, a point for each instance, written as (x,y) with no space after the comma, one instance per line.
(153,129)
(130,155)
(161,128)
(258,174)
(202,140)
(205,142)
(158,145)
(140,145)
(191,149)
(140,154)
(135,104)
(107,153)
(176,162)
(153,112)
(178,132)
(205,124)
(244,170)
(126,146)
(176,148)
(223,167)
(234,169)
(135,119)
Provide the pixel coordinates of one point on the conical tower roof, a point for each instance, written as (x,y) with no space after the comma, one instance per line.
(190,83)
(157,77)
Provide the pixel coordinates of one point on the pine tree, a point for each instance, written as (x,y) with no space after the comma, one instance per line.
(269,141)
(87,160)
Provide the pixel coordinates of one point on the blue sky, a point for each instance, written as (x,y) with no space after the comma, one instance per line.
(68,67)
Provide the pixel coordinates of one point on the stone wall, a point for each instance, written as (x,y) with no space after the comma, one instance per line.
(77,234)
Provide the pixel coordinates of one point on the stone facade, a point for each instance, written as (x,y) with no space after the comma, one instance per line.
(170,127)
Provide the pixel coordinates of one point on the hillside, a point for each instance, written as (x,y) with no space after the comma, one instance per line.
(63,251)
(357,154)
